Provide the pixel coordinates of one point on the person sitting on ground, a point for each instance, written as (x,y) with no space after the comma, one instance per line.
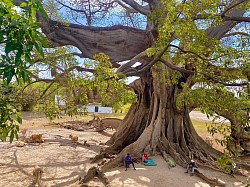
(128,160)
(145,158)
(193,167)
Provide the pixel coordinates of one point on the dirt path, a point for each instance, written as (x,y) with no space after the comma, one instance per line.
(63,162)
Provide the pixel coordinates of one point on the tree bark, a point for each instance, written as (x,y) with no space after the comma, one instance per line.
(119,42)
(158,127)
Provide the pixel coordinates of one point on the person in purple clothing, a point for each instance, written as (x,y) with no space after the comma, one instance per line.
(128,160)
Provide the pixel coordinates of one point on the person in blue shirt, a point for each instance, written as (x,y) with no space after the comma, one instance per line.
(128,160)
(193,167)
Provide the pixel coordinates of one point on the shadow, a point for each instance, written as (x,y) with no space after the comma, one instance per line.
(105,134)
(20,168)
(62,171)
(15,166)
(65,142)
(76,122)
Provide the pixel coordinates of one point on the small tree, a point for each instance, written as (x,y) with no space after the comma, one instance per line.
(19,36)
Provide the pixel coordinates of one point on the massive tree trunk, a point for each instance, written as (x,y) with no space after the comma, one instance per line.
(154,124)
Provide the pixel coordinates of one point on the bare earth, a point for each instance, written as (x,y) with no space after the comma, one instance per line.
(63,162)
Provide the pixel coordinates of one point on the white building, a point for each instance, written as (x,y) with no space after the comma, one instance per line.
(96,108)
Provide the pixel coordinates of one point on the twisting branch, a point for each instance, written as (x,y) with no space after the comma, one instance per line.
(238,19)
(81,69)
(236,33)
(69,7)
(44,92)
(173,67)
(141,9)
(184,51)
(233,6)
(135,59)
(225,83)
(129,10)
(182,70)
(29,85)
(151,63)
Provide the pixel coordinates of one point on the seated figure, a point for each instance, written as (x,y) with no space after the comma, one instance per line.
(145,158)
(193,167)
(128,161)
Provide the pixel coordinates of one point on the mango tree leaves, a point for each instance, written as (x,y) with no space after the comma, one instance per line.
(19,36)
(111,86)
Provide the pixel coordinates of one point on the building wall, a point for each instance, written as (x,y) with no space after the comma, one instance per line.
(96,109)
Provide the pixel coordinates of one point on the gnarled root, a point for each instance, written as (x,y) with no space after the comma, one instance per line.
(94,172)
(102,156)
(213,182)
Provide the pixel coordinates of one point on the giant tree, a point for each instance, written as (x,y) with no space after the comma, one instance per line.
(191,54)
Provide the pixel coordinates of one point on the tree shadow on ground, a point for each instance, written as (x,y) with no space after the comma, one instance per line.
(51,163)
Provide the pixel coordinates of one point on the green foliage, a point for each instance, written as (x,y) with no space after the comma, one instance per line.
(51,110)
(225,162)
(52,8)
(19,36)
(121,108)
(185,25)
(219,99)
(111,86)
(9,117)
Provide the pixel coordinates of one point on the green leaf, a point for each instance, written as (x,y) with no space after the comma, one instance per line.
(41,9)
(11,136)
(39,47)
(19,119)
(16,134)
(42,39)
(33,13)
(4,133)
(23,4)
(9,47)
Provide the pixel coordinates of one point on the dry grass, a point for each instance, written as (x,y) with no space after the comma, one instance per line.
(33,121)
(38,120)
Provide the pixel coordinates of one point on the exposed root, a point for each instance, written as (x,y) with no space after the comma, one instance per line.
(102,156)
(213,182)
(94,172)
(86,144)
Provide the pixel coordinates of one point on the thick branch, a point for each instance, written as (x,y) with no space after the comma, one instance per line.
(137,58)
(137,7)
(233,5)
(173,67)
(236,33)
(128,9)
(44,92)
(81,69)
(119,42)
(238,19)
(219,31)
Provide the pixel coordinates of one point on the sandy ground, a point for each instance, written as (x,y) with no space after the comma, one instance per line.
(63,162)
(197,115)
